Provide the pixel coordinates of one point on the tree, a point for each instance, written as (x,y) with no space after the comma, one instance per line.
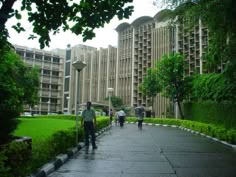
(53,16)
(115,101)
(150,86)
(170,71)
(18,85)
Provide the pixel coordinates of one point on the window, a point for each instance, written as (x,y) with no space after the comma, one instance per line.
(54,100)
(56,59)
(66,87)
(20,52)
(29,55)
(38,56)
(67,69)
(68,55)
(47,58)
(54,87)
(55,73)
(45,100)
(45,86)
(46,72)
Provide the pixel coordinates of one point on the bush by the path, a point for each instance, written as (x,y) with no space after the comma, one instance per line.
(50,137)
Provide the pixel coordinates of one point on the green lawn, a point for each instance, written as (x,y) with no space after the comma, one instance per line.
(39,129)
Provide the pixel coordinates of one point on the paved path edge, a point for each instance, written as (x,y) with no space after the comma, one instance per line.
(191,131)
(59,160)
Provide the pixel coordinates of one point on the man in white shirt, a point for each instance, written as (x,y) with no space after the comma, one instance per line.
(121,115)
(88,121)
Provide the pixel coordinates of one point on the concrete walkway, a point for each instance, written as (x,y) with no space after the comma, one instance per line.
(151,152)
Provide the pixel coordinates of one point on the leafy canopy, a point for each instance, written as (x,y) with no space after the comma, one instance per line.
(170,71)
(150,86)
(18,85)
(52,16)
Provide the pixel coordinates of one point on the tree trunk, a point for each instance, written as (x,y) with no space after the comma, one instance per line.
(180,109)
(152,107)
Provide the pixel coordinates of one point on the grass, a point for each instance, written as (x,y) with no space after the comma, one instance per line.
(40,129)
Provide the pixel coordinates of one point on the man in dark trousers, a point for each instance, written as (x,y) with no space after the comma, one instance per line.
(88,121)
(140,115)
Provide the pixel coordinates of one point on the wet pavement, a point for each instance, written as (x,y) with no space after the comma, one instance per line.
(151,152)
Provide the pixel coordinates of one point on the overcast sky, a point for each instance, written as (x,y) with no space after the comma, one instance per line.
(104,36)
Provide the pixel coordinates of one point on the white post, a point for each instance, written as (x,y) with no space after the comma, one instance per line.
(109,90)
(109,103)
(78,65)
(48,107)
(77,108)
(68,104)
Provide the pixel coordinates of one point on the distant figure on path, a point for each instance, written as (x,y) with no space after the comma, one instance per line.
(88,121)
(140,115)
(111,115)
(116,117)
(121,115)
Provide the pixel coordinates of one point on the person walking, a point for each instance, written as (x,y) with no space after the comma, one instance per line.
(111,115)
(121,115)
(140,115)
(116,117)
(88,122)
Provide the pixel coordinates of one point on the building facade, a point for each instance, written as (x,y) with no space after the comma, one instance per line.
(51,68)
(140,46)
(98,75)
(72,77)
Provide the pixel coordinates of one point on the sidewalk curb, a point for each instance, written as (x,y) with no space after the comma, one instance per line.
(191,131)
(60,159)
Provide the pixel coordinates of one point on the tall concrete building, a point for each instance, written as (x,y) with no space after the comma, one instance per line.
(140,45)
(98,75)
(71,85)
(51,68)
(192,43)
(162,43)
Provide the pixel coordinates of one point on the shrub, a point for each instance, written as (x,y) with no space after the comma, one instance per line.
(212,112)
(15,81)
(61,116)
(15,159)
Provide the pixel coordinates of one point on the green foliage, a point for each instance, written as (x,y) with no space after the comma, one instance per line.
(15,159)
(170,70)
(116,101)
(56,136)
(79,18)
(213,130)
(18,84)
(150,86)
(211,112)
(59,116)
(212,87)
(219,18)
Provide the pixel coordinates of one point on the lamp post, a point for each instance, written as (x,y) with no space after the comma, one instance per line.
(109,90)
(48,106)
(36,109)
(78,65)
(68,104)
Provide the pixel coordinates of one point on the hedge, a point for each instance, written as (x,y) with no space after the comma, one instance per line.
(211,112)
(11,159)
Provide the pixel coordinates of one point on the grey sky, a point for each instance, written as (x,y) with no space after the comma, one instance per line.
(104,36)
